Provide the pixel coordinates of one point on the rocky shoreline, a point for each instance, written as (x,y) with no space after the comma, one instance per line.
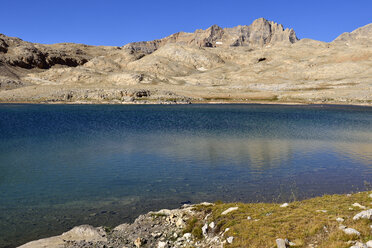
(217,225)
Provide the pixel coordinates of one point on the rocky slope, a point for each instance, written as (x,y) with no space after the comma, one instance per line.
(328,222)
(262,62)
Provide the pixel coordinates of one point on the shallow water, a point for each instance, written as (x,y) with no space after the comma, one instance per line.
(65,165)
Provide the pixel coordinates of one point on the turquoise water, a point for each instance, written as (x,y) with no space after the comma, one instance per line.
(65,165)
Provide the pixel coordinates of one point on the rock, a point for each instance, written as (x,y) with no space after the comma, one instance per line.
(321,211)
(370,195)
(138,242)
(284,205)
(340,220)
(351,231)
(369,244)
(162,244)
(260,33)
(180,223)
(84,232)
(204,230)
(358,205)
(187,236)
(229,210)
(212,225)
(281,243)
(367,214)
(230,239)
(249,218)
(359,245)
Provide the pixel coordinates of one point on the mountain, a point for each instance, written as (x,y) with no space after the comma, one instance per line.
(361,35)
(260,33)
(261,62)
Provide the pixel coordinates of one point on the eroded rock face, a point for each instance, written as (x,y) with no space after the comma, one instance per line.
(260,33)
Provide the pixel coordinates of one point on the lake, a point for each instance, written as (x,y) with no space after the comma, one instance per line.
(66,165)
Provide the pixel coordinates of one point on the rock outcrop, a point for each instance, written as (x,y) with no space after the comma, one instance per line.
(260,33)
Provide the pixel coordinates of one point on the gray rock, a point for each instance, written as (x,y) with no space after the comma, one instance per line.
(230,239)
(351,231)
(281,243)
(367,214)
(162,244)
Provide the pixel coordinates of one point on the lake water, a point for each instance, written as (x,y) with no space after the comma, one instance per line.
(65,165)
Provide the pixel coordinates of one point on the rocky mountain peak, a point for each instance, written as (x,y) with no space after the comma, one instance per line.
(260,33)
(362,35)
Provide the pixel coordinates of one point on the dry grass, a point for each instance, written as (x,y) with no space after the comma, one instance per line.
(300,222)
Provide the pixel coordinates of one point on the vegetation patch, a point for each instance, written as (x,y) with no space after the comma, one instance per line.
(307,222)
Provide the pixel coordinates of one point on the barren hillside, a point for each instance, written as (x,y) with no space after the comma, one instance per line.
(262,62)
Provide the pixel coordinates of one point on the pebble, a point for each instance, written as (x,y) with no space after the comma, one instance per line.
(212,225)
(249,218)
(229,210)
(284,205)
(187,235)
(340,220)
(138,242)
(230,239)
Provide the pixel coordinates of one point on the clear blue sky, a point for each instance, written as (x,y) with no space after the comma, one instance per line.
(115,22)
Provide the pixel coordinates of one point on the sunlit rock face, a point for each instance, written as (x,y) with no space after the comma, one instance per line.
(260,33)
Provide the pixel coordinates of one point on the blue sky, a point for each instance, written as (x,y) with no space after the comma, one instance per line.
(115,22)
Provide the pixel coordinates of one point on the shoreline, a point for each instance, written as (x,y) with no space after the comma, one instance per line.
(327,221)
(192,102)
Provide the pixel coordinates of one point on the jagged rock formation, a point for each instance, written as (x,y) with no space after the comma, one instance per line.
(261,62)
(260,33)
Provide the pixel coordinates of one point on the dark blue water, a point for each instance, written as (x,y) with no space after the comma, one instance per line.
(65,165)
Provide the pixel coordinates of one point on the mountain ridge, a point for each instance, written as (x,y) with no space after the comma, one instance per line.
(261,32)
(261,62)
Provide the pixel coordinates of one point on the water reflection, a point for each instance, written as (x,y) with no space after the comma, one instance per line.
(63,164)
